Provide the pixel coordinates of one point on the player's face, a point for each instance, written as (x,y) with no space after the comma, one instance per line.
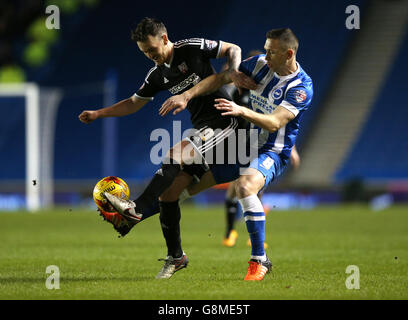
(276,57)
(154,48)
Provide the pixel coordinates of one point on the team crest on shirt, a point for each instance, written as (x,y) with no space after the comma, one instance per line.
(183,67)
(277,94)
(207,134)
(300,95)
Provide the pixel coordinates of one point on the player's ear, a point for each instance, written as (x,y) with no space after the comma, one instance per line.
(290,53)
(165,38)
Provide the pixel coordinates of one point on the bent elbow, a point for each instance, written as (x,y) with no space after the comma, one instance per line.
(273,126)
(233,49)
(132,99)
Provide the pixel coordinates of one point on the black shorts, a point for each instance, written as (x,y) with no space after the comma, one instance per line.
(195,170)
(216,143)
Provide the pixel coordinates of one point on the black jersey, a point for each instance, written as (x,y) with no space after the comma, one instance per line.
(189,64)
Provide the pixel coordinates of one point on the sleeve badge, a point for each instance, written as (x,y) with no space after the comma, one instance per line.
(300,95)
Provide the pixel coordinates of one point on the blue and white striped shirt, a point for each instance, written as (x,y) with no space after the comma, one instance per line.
(293,92)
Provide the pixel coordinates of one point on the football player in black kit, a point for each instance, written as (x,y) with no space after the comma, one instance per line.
(178,67)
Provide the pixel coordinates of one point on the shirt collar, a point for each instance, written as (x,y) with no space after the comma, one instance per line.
(294,74)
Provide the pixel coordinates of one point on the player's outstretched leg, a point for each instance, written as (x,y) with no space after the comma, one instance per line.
(123,225)
(133,211)
(162,180)
(181,153)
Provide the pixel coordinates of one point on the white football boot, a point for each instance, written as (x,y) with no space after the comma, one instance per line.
(171,266)
(126,208)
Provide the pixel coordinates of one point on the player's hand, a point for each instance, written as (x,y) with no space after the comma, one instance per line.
(178,102)
(230,108)
(241,80)
(294,158)
(88,116)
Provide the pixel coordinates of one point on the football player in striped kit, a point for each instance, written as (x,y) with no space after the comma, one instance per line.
(241,97)
(284,92)
(178,67)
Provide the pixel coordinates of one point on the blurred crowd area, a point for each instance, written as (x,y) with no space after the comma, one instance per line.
(25,42)
(340,134)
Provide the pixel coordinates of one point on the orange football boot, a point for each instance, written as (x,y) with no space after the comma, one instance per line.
(258,269)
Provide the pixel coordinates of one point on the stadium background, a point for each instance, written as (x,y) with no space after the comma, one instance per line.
(369,155)
(346,203)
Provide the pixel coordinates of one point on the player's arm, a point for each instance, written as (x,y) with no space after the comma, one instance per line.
(208,85)
(122,108)
(233,54)
(270,122)
(213,82)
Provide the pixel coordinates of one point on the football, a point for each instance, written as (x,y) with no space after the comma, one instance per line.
(113,185)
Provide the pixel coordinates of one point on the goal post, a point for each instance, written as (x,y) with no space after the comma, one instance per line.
(32,134)
(29,114)
(40,111)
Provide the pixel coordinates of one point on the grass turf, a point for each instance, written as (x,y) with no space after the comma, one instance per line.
(310,251)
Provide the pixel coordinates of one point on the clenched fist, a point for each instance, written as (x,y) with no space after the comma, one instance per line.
(88,116)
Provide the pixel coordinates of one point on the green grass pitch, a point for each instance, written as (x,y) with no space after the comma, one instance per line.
(310,250)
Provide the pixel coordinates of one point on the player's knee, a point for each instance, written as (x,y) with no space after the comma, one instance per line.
(244,188)
(231,191)
(182,153)
(172,156)
(170,195)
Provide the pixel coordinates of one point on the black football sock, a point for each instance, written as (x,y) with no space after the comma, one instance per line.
(163,178)
(151,210)
(231,206)
(170,215)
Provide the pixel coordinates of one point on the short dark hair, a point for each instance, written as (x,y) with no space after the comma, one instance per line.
(146,27)
(287,38)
